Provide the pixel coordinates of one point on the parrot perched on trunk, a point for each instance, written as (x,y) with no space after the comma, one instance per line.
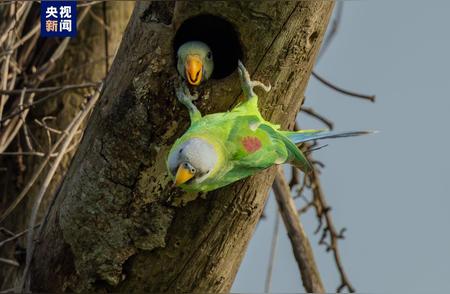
(195,62)
(222,148)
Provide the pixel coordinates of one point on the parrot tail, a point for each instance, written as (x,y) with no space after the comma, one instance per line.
(311,135)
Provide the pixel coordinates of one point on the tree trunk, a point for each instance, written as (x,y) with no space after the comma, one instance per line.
(112,227)
(76,68)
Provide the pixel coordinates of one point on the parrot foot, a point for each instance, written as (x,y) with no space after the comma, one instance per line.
(247,84)
(185,97)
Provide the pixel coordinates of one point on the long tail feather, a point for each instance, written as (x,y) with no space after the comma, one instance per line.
(311,135)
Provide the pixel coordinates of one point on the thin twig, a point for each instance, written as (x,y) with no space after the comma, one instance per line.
(294,178)
(25,6)
(98,19)
(45,126)
(49,89)
(15,236)
(4,84)
(341,90)
(25,38)
(105,37)
(314,114)
(9,262)
(6,231)
(334,29)
(27,137)
(12,129)
(31,153)
(312,182)
(273,252)
(90,3)
(45,98)
(305,208)
(324,210)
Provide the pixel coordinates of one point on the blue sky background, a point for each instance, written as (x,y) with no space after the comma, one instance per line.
(390,190)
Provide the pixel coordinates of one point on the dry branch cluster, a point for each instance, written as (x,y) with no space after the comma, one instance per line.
(29,78)
(26,61)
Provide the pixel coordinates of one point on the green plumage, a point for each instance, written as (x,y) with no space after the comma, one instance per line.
(226,132)
(244,142)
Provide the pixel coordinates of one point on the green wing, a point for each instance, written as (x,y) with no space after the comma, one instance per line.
(275,148)
(296,157)
(249,149)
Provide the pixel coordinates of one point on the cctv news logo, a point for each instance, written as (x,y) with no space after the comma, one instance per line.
(58,18)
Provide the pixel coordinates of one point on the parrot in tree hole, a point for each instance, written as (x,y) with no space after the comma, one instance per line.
(195,62)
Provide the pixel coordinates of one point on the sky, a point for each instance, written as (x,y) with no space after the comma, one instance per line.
(391,189)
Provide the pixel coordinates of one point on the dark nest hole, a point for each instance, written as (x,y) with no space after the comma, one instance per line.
(219,35)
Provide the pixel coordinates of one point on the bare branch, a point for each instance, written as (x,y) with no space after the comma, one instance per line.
(314,114)
(294,178)
(58,91)
(105,37)
(25,38)
(299,240)
(6,231)
(330,230)
(9,262)
(334,29)
(49,89)
(273,252)
(341,90)
(322,209)
(9,133)
(90,3)
(15,236)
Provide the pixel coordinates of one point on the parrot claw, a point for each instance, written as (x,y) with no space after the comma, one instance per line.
(247,84)
(185,97)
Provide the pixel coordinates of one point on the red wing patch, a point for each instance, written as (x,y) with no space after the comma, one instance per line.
(251,144)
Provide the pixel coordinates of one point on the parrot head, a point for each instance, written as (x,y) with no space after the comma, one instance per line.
(192,161)
(195,62)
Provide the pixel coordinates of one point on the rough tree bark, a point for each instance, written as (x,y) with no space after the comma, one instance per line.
(112,227)
(75,67)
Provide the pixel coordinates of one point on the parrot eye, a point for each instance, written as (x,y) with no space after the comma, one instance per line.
(209,55)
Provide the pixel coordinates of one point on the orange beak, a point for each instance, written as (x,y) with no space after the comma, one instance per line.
(194,69)
(183,175)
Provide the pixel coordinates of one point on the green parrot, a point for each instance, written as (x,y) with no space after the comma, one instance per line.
(222,148)
(195,62)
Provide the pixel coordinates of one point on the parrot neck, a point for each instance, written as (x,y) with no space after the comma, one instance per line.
(221,154)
